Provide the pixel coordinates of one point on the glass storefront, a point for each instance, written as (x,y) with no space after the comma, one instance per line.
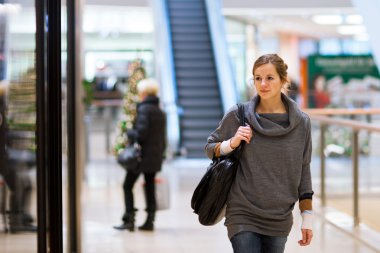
(39,189)
(18,124)
(30,95)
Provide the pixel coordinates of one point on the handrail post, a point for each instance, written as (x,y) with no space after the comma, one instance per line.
(323,163)
(108,119)
(355,174)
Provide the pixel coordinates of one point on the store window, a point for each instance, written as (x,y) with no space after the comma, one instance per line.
(337,46)
(109,70)
(18,203)
(353,47)
(308,47)
(330,46)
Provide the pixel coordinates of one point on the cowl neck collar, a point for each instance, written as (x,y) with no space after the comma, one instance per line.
(267,127)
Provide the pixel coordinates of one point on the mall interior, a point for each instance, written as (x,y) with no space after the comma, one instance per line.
(68,76)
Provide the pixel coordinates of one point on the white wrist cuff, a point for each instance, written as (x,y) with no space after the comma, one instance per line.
(225,147)
(307,220)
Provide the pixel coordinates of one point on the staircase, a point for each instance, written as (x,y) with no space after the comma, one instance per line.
(196,76)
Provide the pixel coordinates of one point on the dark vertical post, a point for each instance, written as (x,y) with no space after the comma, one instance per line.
(54,125)
(41,126)
(71,123)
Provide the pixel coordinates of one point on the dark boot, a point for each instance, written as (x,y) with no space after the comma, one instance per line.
(149,223)
(27,219)
(16,224)
(128,222)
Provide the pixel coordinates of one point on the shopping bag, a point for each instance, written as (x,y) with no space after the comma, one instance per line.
(162,186)
(162,192)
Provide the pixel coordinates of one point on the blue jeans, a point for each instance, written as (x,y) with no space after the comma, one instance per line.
(251,242)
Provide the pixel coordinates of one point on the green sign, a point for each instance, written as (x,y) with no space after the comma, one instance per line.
(333,81)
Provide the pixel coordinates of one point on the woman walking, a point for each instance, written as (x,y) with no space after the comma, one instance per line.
(275,164)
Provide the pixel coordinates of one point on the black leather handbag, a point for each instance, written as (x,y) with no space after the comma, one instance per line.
(130,157)
(210,196)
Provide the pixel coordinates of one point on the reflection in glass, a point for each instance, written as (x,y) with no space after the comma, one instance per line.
(17,127)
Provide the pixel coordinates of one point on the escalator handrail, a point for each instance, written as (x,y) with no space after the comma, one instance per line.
(165,72)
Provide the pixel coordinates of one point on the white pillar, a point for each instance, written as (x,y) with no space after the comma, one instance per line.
(369,9)
(289,51)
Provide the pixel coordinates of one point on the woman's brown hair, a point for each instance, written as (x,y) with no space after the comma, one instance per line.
(278,63)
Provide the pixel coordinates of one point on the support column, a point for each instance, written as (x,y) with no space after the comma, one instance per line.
(370,12)
(75,123)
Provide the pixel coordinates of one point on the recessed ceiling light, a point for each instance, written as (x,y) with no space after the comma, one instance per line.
(351,29)
(328,19)
(10,8)
(362,37)
(354,19)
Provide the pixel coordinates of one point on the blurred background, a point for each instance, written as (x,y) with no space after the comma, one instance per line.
(89,53)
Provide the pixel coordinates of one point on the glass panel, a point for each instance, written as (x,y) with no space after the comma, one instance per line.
(18,124)
(369,179)
(356,47)
(339,169)
(114,54)
(307,47)
(330,47)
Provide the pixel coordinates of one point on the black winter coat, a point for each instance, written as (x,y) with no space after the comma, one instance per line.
(3,131)
(150,132)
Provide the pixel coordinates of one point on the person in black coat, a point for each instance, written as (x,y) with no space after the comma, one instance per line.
(150,132)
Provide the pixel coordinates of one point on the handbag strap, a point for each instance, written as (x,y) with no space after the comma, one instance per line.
(241,114)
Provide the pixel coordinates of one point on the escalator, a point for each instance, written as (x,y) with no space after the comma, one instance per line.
(196,78)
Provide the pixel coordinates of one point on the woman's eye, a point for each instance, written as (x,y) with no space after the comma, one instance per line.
(270,78)
(257,78)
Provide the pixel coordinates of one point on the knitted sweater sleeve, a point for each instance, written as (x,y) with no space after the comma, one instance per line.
(305,187)
(225,130)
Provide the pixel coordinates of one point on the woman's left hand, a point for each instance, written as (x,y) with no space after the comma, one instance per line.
(244,133)
(307,235)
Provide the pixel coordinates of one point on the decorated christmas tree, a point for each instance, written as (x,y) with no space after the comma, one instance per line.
(136,73)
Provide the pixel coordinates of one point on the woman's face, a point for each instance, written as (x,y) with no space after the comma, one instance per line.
(267,82)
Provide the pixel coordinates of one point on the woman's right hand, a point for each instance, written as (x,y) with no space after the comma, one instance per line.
(244,133)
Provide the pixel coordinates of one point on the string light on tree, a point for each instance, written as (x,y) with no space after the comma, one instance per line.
(136,73)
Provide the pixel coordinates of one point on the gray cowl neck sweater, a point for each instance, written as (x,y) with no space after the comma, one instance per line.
(274,171)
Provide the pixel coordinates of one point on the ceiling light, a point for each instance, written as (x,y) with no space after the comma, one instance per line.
(328,19)
(354,19)
(10,8)
(351,29)
(362,37)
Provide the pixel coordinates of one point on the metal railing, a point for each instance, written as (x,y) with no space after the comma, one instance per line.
(323,117)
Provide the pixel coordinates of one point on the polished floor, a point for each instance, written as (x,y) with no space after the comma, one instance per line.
(177,229)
